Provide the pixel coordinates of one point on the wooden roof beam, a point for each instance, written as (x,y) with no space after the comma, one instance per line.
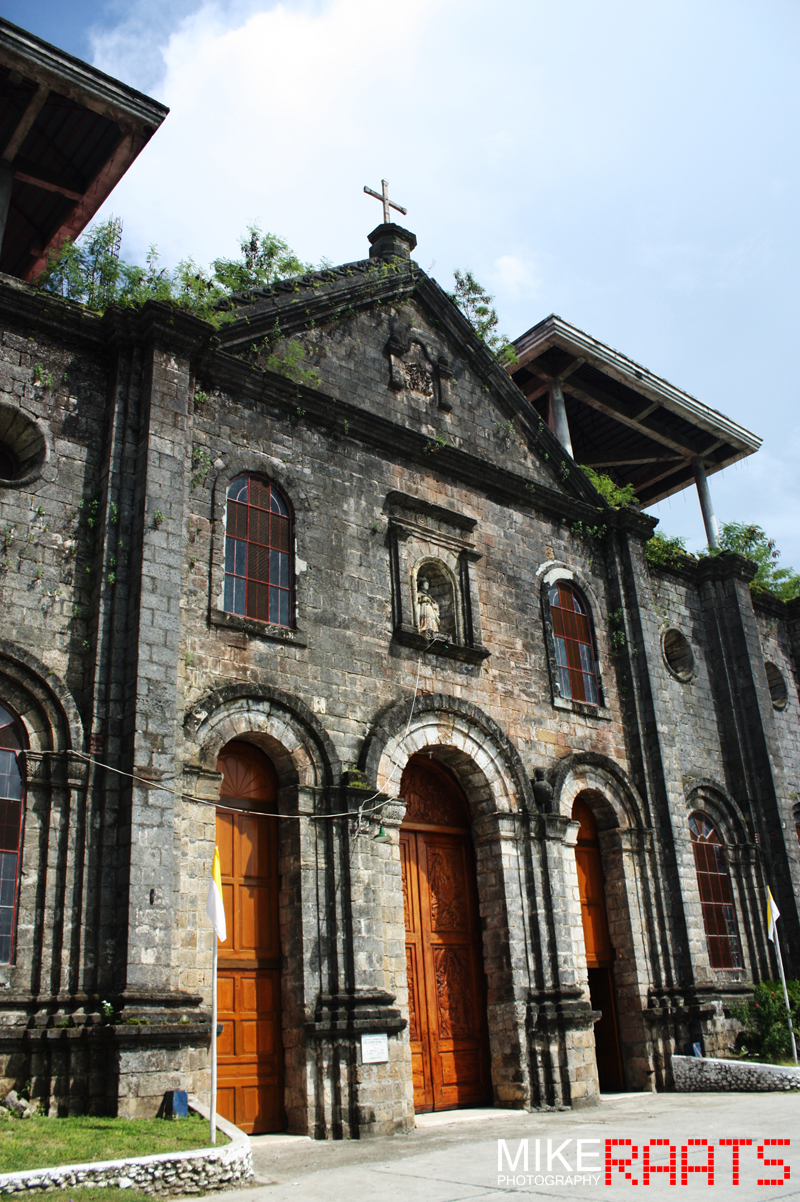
(25,123)
(612,408)
(604,461)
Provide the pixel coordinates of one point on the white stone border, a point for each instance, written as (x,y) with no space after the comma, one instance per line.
(198,1170)
(704,1074)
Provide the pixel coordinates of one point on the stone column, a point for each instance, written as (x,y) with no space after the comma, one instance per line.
(563,1012)
(751,749)
(652,739)
(150,726)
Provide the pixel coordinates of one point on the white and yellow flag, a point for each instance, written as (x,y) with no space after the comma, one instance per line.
(773,914)
(215,908)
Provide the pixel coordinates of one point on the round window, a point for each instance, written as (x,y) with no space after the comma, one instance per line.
(777,686)
(677,654)
(23,449)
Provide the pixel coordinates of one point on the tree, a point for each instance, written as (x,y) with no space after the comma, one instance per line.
(476,304)
(91,272)
(752,542)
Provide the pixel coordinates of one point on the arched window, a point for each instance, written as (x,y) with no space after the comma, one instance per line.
(716,894)
(258,560)
(575,661)
(11,792)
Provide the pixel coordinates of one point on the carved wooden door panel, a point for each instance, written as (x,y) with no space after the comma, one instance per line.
(599,950)
(444,955)
(249,1050)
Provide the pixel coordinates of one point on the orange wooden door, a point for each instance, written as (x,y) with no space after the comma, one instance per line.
(444,955)
(599,950)
(249,1051)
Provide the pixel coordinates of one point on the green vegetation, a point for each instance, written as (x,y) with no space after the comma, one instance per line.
(747,540)
(663,552)
(91,272)
(612,493)
(39,1143)
(476,304)
(753,543)
(766,1030)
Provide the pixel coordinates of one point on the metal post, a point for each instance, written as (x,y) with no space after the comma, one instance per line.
(213,1107)
(785,993)
(560,423)
(709,517)
(6,184)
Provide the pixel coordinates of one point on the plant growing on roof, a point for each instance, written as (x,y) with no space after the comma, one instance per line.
(751,541)
(90,272)
(615,495)
(476,304)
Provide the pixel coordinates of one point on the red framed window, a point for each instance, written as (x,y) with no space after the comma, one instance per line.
(11,797)
(258,544)
(716,894)
(575,660)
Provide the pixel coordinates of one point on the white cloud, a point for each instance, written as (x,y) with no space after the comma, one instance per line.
(515,276)
(582,159)
(282,118)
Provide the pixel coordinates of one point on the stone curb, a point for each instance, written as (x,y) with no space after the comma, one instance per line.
(193,1172)
(701,1073)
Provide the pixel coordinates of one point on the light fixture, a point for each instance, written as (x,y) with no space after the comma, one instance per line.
(382,836)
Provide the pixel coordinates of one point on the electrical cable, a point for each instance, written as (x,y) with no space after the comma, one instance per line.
(361,813)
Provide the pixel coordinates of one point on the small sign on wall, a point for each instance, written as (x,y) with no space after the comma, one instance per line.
(374,1049)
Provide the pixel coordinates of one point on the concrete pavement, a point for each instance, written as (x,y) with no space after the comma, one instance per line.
(453,1156)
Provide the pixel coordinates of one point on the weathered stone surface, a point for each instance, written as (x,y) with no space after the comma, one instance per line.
(407,446)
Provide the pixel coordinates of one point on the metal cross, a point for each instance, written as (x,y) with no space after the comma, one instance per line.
(387,204)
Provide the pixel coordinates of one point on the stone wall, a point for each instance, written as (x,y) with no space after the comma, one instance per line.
(129,678)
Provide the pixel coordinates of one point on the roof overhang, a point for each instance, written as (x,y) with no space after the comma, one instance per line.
(624,420)
(68,133)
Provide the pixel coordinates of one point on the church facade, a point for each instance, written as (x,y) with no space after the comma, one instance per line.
(497,801)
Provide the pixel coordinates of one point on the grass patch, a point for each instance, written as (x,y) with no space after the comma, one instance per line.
(44,1143)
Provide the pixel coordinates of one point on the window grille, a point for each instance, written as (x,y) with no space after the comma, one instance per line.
(575,660)
(716,894)
(258,546)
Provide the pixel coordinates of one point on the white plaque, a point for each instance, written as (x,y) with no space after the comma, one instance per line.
(374,1049)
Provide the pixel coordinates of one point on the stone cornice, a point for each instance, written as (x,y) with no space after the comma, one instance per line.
(726,566)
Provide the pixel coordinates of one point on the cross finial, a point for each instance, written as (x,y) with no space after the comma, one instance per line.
(383,195)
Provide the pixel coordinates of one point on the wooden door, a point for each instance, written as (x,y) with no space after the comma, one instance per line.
(444,955)
(599,951)
(249,1050)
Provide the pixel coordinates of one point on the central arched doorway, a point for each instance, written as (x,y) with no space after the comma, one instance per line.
(599,950)
(250,1052)
(444,955)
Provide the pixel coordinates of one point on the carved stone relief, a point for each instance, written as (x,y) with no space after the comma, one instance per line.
(417,366)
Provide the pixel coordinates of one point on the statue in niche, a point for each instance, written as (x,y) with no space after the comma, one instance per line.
(427,609)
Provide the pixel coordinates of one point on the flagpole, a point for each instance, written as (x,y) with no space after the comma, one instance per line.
(785,991)
(213,1107)
(215,909)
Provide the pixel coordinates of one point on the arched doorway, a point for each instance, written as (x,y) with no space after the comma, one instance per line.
(599,950)
(250,1051)
(444,954)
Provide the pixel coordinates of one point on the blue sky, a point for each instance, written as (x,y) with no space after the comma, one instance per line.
(632,167)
